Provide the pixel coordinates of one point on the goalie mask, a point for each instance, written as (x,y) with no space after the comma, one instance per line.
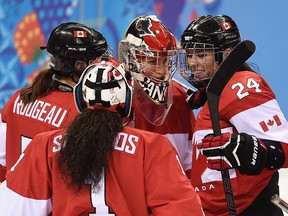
(72,46)
(203,43)
(149,52)
(103,85)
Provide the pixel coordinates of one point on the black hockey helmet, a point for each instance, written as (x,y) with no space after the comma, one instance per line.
(219,30)
(207,32)
(72,46)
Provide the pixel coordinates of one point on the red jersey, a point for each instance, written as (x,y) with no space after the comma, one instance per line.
(23,122)
(247,104)
(144,177)
(178,125)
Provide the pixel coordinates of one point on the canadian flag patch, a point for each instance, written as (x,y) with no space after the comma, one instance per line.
(80,34)
(226,26)
(266,125)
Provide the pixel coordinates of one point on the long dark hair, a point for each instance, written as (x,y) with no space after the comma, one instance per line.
(42,84)
(250,66)
(88,143)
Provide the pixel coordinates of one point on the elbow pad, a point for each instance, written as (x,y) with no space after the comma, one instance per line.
(275,154)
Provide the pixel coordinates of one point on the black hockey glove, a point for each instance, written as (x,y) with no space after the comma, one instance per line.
(241,151)
(197,99)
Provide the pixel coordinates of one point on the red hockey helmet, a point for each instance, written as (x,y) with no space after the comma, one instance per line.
(149,52)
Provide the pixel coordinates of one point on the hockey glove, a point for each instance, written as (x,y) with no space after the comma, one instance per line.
(197,99)
(241,151)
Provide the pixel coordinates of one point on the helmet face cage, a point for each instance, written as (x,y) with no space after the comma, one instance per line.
(198,63)
(159,66)
(103,85)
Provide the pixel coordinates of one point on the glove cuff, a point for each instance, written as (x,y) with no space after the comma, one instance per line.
(253,155)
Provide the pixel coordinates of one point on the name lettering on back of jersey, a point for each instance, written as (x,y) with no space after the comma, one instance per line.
(57,141)
(126,143)
(41,111)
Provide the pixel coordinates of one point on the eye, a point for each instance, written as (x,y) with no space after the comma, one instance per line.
(201,55)
(152,62)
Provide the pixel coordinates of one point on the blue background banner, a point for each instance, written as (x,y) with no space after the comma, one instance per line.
(26,25)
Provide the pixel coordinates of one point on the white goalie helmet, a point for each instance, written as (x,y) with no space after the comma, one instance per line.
(104,85)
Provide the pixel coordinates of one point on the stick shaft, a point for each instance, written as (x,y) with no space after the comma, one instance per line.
(238,56)
(276,199)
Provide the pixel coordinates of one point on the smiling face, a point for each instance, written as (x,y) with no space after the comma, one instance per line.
(201,62)
(198,63)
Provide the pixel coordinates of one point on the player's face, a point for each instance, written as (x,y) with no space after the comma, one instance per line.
(201,62)
(155,67)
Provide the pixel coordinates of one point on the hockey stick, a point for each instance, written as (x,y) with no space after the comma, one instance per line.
(280,203)
(237,57)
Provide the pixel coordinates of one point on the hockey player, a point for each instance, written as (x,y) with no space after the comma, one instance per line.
(96,166)
(149,52)
(254,130)
(48,103)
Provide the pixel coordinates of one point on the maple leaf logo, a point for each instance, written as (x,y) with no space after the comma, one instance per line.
(270,122)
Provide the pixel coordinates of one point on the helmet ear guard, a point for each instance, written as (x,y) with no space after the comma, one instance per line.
(104,85)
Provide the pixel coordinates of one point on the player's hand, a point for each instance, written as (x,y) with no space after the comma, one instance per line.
(197,99)
(241,151)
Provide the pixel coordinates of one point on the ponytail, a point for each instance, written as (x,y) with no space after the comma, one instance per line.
(43,83)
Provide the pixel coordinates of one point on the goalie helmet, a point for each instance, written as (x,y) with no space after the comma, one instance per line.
(206,33)
(72,46)
(149,52)
(105,85)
